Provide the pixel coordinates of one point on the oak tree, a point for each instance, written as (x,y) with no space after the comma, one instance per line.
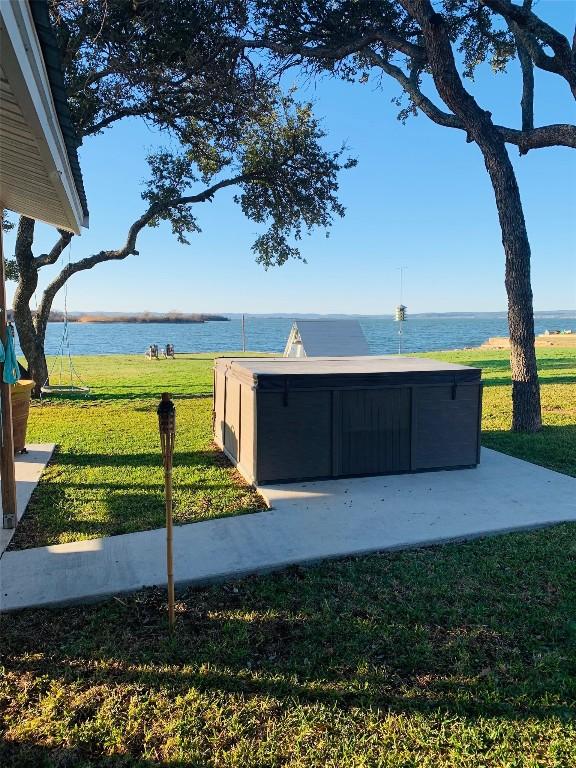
(430,51)
(175,64)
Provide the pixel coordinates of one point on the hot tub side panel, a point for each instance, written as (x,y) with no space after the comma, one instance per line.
(247,456)
(373,431)
(234,420)
(446,426)
(278,428)
(294,435)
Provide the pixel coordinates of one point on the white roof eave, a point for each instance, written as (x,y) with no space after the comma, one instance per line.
(23,64)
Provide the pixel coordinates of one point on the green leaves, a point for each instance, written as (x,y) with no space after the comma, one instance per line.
(11,270)
(168,61)
(294,180)
(480,36)
(287,180)
(171,176)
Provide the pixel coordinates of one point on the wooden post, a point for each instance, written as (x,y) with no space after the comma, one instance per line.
(167,427)
(7,470)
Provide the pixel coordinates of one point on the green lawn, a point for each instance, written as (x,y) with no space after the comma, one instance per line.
(555,445)
(106,477)
(461,655)
(456,656)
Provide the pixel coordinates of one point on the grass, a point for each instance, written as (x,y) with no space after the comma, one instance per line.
(460,656)
(106,477)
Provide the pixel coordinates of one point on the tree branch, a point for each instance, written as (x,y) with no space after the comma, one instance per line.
(27,281)
(129,247)
(410,85)
(52,257)
(527,67)
(560,134)
(415,52)
(533,29)
(114,117)
(555,135)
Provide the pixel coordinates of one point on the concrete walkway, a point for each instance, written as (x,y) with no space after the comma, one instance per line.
(307,522)
(29,468)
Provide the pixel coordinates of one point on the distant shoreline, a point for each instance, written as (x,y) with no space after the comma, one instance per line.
(142,319)
(270,335)
(193,318)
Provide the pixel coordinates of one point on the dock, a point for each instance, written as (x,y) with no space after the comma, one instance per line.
(542,340)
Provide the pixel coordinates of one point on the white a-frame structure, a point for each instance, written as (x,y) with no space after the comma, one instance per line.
(326,338)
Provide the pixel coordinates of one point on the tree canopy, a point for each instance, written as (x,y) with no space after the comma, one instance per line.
(431,51)
(352,38)
(208,72)
(176,65)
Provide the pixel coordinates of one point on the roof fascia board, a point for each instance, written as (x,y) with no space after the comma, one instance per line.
(23,63)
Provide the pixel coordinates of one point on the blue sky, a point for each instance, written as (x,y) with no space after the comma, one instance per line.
(419,197)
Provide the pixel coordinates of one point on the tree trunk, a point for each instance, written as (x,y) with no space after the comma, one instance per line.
(37,365)
(31,342)
(526,413)
(526,409)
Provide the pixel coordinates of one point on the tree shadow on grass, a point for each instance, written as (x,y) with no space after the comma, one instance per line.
(128,393)
(452,632)
(202,459)
(492,366)
(125,513)
(507,381)
(49,520)
(503,363)
(60,507)
(27,754)
(467,631)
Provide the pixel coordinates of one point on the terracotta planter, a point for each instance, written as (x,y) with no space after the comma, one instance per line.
(21,392)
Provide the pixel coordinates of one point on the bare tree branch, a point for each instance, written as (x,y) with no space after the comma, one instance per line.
(410,85)
(527,67)
(54,254)
(533,29)
(129,247)
(555,135)
(116,116)
(560,134)
(415,52)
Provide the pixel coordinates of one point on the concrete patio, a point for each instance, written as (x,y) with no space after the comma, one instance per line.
(29,468)
(307,522)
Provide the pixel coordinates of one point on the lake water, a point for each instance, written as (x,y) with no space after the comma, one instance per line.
(270,334)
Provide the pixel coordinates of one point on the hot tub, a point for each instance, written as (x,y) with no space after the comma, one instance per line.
(282,419)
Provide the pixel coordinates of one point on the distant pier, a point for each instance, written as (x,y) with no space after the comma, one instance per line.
(550,339)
